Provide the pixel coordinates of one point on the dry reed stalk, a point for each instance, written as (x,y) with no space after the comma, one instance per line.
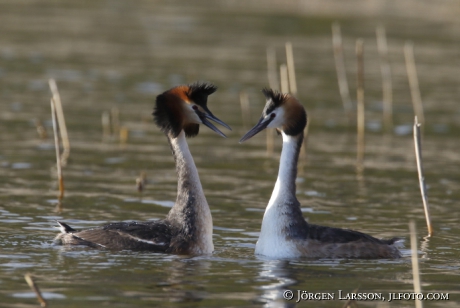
(35,288)
(421,178)
(413,81)
(245,109)
(41,130)
(141,181)
(414,259)
(272,69)
(105,126)
(115,116)
(360,101)
(61,120)
(291,69)
(387,86)
(124,135)
(58,154)
(340,68)
(293,89)
(284,89)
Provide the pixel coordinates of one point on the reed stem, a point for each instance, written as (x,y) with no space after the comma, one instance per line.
(105,126)
(414,259)
(413,81)
(36,290)
(124,135)
(421,178)
(58,154)
(291,69)
(61,120)
(360,102)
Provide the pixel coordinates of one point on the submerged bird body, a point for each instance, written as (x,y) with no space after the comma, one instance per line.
(284,232)
(187,228)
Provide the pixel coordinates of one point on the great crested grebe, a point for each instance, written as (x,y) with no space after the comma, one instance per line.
(187,228)
(284,232)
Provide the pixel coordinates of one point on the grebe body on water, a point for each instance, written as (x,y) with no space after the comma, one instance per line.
(284,232)
(187,229)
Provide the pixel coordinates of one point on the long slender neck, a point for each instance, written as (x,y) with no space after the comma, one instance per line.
(189,185)
(191,211)
(285,187)
(283,216)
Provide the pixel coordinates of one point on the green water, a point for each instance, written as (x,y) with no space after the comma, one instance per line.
(121,54)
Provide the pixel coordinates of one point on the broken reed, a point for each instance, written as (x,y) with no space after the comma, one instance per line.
(340,68)
(61,120)
(58,154)
(292,84)
(413,81)
(284,89)
(387,87)
(291,69)
(418,156)
(141,181)
(414,259)
(35,288)
(124,135)
(105,126)
(360,102)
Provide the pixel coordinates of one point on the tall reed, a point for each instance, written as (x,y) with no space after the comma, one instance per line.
(414,261)
(360,102)
(421,178)
(58,154)
(61,120)
(413,81)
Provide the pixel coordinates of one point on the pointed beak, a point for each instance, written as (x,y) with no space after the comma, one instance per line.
(208,114)
(263,123)
(204,116)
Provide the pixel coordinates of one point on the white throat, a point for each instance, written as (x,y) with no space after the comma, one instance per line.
(272,240)
(287,173)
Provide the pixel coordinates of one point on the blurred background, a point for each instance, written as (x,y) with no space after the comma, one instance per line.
(111,58)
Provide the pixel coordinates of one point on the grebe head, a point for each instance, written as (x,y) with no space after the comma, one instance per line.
(283,112)
(185,108)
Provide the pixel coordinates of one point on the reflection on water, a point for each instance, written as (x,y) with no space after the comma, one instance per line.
(279,271)
(117,54)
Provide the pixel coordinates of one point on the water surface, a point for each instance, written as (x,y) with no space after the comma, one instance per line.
(120,54)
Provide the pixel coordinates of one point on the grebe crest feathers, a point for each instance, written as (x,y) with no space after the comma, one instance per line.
(283,112)
(184,108)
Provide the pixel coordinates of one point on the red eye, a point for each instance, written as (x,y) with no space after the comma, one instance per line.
(195,107)
(272,115)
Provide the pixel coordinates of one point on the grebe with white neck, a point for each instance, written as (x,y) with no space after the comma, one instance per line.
(284,232)
(188,226)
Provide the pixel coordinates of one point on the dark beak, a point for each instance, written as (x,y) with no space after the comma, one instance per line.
(208,114)
(204,116)
(263,123)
